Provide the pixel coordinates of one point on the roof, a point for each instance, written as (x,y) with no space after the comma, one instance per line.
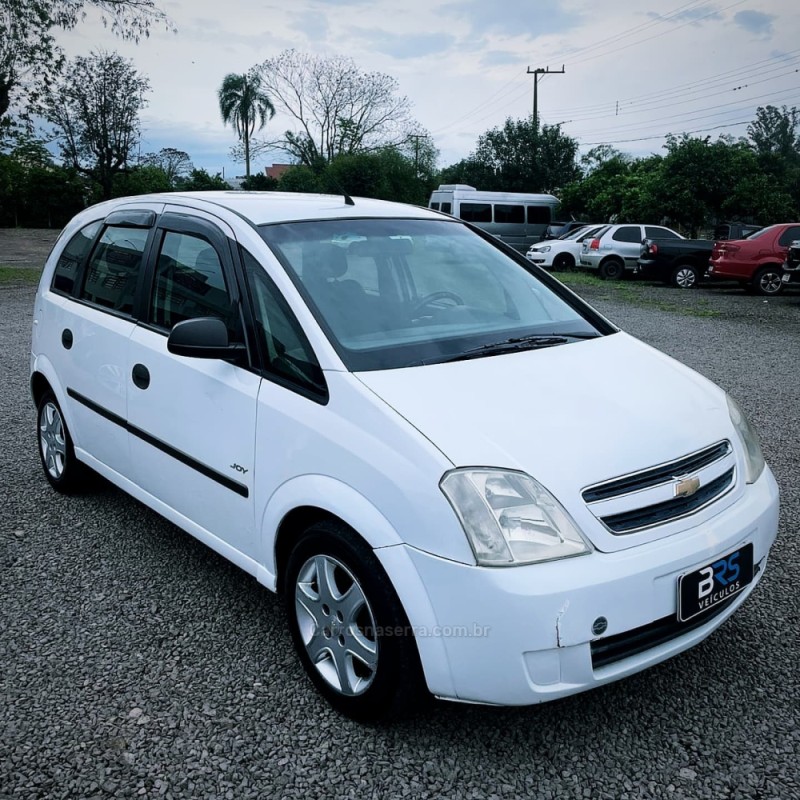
(265,207)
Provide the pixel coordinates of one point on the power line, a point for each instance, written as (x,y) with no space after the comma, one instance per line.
(664,135)
(495,98)
(657,120)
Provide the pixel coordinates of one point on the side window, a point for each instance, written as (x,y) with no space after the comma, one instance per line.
(447,208)
(509,214)
(476,212)
(113,269)
(72,257)
(789,236)
(627,233)
(435,206)
(285,348)
(539,215)
(189,282)
(659,233)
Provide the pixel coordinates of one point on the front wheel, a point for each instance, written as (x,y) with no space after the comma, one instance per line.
(767,281)
(612,269)
(348,626)
(685,276)
(62,470)
(563,261)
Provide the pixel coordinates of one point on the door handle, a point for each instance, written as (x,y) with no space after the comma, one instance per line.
(140,375)
(66,338)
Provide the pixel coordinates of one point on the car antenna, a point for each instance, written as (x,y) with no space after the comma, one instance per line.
(348,201)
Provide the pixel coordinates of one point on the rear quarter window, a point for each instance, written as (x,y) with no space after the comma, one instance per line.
(629,233)
(73,256)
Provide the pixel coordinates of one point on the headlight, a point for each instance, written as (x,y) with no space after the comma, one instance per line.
(545,249)
(510,518)
(753,458)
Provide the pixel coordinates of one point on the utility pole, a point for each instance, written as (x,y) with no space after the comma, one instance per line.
(536,73)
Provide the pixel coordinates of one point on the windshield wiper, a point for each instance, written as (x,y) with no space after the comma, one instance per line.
(512,345)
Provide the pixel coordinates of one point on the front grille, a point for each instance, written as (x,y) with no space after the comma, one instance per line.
(615,648)
(657,475)
(660,494)
(629,521)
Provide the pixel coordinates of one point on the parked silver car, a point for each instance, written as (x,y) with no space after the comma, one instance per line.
(617,248)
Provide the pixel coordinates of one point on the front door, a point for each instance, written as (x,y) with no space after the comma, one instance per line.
(192,421)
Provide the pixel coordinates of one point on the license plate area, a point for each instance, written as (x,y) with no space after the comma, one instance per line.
(704,588)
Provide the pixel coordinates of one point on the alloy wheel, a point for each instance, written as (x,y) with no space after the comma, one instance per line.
(52,440)
(336,624)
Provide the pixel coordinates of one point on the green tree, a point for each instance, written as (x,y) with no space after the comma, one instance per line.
(141,179)
(200,181)
(94,109)
(29,55)
(300,178)
(244,103)
(518,158)
(175,163)
(260,183)
(34,191)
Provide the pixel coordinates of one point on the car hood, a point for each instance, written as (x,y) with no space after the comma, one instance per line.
(570,415)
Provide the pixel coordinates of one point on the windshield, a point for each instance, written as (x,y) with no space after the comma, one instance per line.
(398,292)
(574,234)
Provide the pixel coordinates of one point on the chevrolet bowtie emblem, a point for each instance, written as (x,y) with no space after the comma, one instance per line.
(687,487)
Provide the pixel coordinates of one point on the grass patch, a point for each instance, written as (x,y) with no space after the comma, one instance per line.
(14,276)
(637,294)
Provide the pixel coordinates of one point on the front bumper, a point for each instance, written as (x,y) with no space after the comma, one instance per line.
(523,635)
(790,276)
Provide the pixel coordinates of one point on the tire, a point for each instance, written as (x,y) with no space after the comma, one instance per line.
(563,261)
(767,280)
(62,470)
(612,269)
(351,634)
(685,276)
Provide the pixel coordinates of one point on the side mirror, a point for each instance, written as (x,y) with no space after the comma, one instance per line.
(203,337)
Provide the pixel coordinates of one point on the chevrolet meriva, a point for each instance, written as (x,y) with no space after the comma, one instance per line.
(462,478)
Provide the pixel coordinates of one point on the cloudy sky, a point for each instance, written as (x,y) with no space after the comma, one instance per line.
(635,69)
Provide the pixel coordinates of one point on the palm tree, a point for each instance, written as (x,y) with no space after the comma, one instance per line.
(244,104)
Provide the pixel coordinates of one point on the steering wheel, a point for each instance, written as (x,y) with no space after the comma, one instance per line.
(433,297)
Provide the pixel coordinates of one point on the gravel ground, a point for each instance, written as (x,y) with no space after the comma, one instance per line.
(136,662)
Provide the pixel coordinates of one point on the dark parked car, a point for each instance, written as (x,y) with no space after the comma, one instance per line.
(756,262)
(728,231)
(555,230)
(791,267)
(679,262)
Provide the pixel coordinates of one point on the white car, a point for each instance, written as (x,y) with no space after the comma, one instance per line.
(455,471)
(616,248)
(562,253)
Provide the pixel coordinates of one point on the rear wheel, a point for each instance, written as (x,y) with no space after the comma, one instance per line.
(767,281)
(685,276)
(612,269)
(63,471)
(348,626)
(563,261)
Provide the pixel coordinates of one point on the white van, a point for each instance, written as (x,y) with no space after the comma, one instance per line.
(517,219)
(454,470)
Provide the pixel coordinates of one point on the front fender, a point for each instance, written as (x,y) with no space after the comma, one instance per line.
(326,494)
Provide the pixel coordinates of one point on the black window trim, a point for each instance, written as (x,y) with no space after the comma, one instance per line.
(177,222)
(323,397)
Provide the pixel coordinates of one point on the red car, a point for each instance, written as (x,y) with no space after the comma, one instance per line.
(756,262)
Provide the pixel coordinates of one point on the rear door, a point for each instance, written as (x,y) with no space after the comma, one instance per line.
(93,327)
(626,241)
(193,420)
